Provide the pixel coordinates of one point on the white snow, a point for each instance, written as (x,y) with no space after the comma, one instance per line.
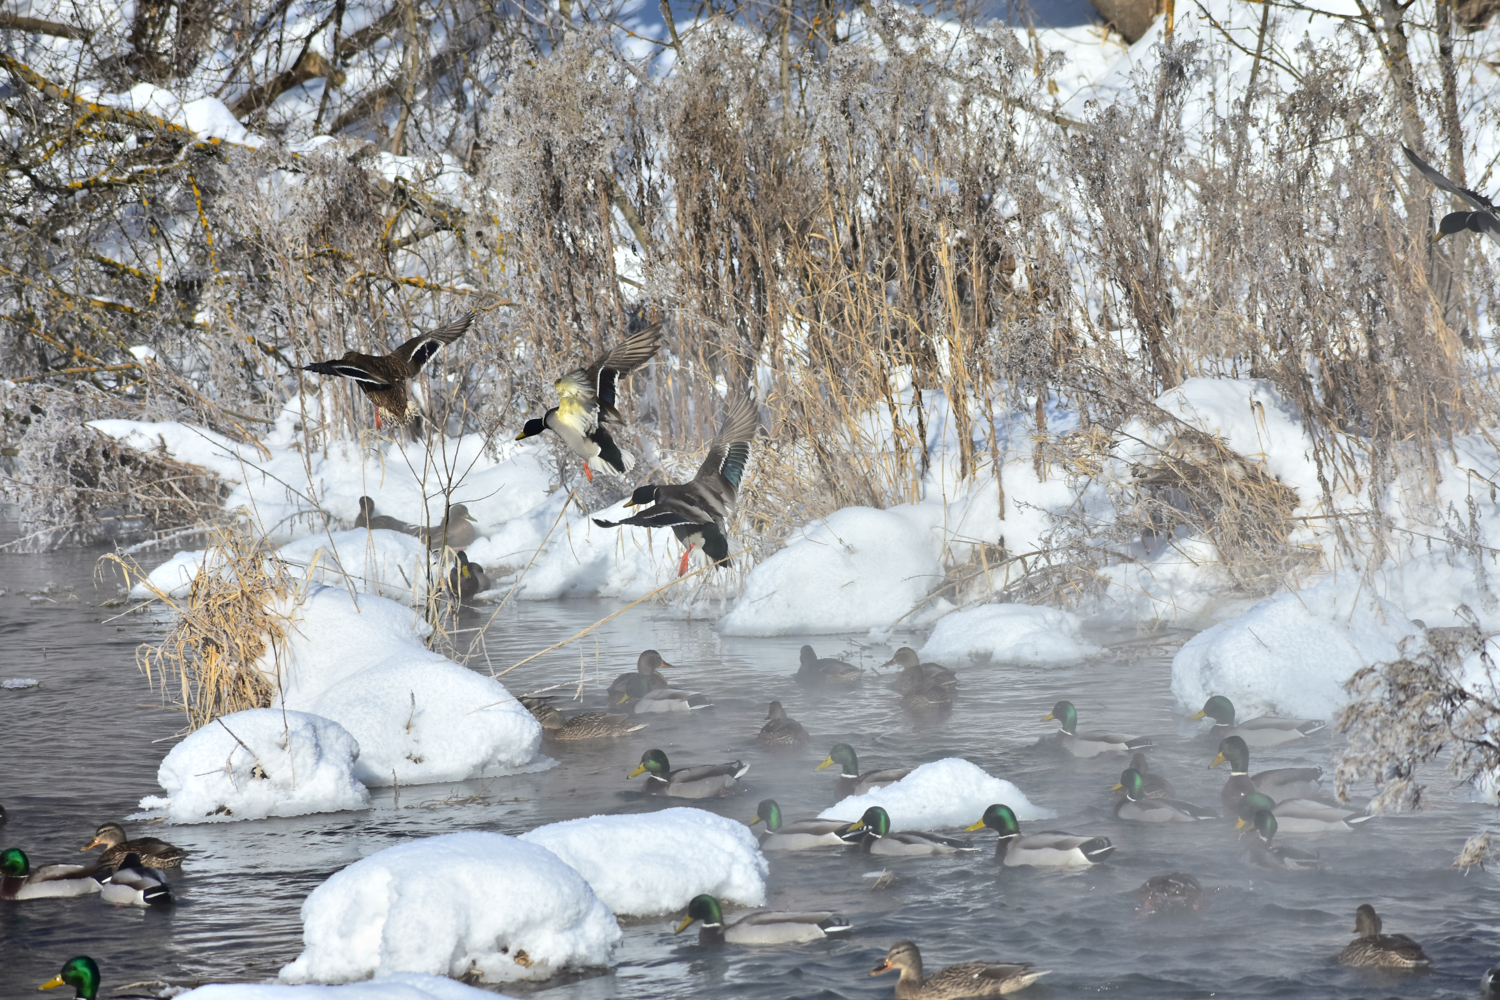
(19,683)
(1009,633)
(652,863)
(258,763)
(398,986)
(388,563)
(1290,655)
(943,795)
(479,904)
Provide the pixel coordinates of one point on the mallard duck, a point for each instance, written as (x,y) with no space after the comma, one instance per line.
(1265,731)
(19,882)
(1482,220)
(586,405)
(1373,949)
(583,726)
(800,835)
(133,885)
(759,926)
(383,377)
(918,676)
(928,701)
(851,782)
(1088,744)
(780,731)
(1137,808)
(1156,787)
(637,689)
(456,531)
(1279,783)
(369,519)
(82,974)
(1489,983)
(703,782)
(467,579)
(1052,847)
(1169,893)
(154,853)
(1266,855)
(647,665)
(871,833)
(1301,815)
(967,979)
(698,511)
(825,673)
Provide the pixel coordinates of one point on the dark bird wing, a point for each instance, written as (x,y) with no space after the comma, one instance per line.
(420,349)
(366,375)
(730,449)
(599,379)
(1479,201)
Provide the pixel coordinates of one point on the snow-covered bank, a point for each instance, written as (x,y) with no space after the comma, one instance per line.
(1009,633)
(397,986)
(943,795)
(461,904)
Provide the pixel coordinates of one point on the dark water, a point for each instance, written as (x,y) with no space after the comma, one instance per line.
(84,747)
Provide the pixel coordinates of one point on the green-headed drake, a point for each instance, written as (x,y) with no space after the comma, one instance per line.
(82,973)
(1268,855)
(872,834)
(1301,815)
(1265,731)
(798,835)
(1374,950)
(703,782)
(759,926)
(967,979)
(1279,783)
(19,882)
(1137,808)
(1087,744)
(1050,848)
(851,782)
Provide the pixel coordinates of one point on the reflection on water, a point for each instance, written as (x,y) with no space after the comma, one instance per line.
(84,747)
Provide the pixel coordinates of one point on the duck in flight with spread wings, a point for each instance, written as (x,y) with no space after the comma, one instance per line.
(586,405)
(697,511)
(1484,219)
(383,377)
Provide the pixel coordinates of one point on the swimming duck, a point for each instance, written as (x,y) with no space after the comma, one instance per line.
(780,731)
(1489,983)
(1267,855)
(1265,731)
(799,835)
(637,689)
(1137,808)
(759,926)
(1156,787)
(918,676)
(154,853)
(586,405)
(82,974)
(647,665)
(706,781)
(1088,744)
(457,530)
(1279,783)
(19,882)
(369,519)
(698,511)
(383,377)
(851,782)
(967,979)
(1052,847)
(872,834)
(825,673)
(1301,815)
(1168,893)
(132,884)
(583,726)
(928,701)
(467,579)
(1373,949)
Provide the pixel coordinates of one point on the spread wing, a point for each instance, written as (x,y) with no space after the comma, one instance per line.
(730,449)
(1479,201)
(420,349)
(367,377)
(599,379)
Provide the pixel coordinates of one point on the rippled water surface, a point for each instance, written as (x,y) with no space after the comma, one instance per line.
(84,747)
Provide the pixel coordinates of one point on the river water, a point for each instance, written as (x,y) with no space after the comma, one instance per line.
(83,748)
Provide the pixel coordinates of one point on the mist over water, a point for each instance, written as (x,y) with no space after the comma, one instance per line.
(84,747)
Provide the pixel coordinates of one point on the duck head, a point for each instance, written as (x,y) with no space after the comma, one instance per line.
(644,496)
(1366,921)
(1066,716)
(876,821)
(842,754)
(108,835)
(902,956)
(769,813)
(649,662)
(1001,819)
(14,863)
(636,686)
(1252,803)
(531,428)
(1132,784)
(654,763)
(1218,708)
(1234,750)
(905,657)
(704,908)
(81,973)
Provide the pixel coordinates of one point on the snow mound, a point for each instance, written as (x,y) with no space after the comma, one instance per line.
(384,562)
(401,986)
(476,904)
(259,763)
(1291,654)
(418,716)
(945,794)
(656,862)
(1009,633)
(857,569)
(173,578)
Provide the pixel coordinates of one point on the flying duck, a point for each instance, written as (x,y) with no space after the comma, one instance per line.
(1482,220)
(383,377)
(586,405)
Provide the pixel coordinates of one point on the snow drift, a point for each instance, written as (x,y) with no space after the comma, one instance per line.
(945,794)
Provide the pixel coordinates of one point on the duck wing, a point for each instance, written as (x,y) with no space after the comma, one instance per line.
(371,373)
(812,827)
(420,349)
(879,778)
(1310,815)
(598,381)
(707,772)
(1441,181)
(783,927)
(729,451)
(982,979)
(1289,782)
(921,837)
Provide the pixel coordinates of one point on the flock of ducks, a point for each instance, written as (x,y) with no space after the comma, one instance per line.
(126,873)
